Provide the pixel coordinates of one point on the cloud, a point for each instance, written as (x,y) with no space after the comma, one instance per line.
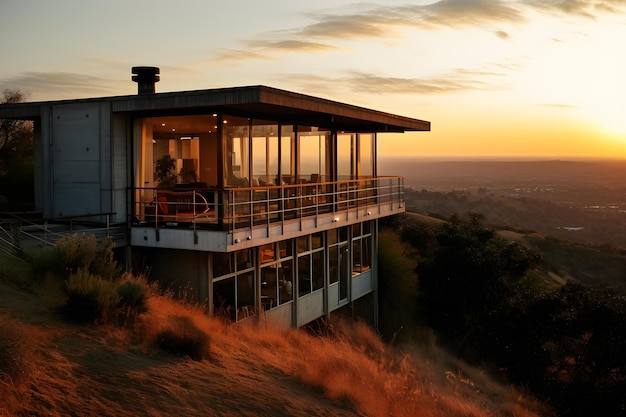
(582,8)
(362,21)
(364,82)
(502,34)
(384,21)
(60,84)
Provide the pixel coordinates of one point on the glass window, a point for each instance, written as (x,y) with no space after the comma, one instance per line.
(243,259)
(366,159)
(222,264)
(343,234)
(333,264)
(285,274)
(264,153)
(366,253)
(317,274)
(356,256)
(356,230)
(245,290)
(332,236)
(313,156)
(236,130)
(287,168)
(317,240)
(269,286)
(224,305)
(345,152)
(367,228)
(302,243)
(284,248)
(304,274)
(267,253)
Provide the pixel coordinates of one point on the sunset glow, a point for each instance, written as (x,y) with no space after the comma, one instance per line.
(495,77)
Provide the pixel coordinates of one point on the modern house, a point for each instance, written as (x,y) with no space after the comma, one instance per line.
(252,198)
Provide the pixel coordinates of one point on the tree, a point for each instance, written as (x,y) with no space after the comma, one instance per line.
(467,276)
(16,155)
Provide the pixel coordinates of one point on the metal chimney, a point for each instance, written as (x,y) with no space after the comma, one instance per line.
(146,78)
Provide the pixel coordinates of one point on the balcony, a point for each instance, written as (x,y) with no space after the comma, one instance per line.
(231,218)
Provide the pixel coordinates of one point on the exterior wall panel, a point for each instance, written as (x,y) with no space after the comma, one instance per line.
(76,159)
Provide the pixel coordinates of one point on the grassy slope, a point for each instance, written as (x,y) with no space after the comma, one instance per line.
(250,371)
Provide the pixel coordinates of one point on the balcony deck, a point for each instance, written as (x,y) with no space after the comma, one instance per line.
(233,218)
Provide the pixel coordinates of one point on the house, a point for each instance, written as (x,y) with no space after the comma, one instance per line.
(252,198)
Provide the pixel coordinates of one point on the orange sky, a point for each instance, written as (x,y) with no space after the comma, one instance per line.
(497,78)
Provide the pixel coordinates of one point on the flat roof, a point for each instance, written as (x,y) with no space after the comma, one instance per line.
(251,101)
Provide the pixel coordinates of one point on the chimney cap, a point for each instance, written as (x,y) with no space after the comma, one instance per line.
(145,77)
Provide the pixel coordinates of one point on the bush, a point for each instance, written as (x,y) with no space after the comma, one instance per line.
(397,285)
(15,271)
(90,299)
(133,298)
(85,251)
(46,260)
(73,252)
(183,338)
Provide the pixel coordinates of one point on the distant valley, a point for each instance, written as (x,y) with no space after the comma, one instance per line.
(579,200)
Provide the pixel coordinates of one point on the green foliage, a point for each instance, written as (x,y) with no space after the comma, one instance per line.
(397,284)
(73,252)
(90,299)
(166,171)
(467,275)
(17,163)
(133,295)
(46,260)
(489,300)
(183,338)
(15,271)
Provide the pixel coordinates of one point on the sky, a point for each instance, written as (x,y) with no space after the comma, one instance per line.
(498,78)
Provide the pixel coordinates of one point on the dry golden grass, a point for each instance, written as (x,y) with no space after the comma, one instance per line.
(248,369)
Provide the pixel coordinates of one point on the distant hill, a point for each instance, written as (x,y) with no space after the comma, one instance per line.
(583,201)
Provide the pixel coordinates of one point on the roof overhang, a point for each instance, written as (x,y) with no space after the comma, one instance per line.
(253,101)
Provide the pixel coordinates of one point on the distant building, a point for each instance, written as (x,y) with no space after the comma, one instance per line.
(253,198)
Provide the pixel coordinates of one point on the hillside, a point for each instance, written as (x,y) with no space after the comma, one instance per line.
(562,259)
(248,370)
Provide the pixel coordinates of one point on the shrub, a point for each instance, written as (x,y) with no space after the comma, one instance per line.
(90,299)
(183,338)
(397,285)
(46,260)
(15,271)
(85,251)
(73,252)
(133,298)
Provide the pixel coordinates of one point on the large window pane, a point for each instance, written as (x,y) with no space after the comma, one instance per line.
(313,157)
(285,274)
(222,264)
(224,299)
(236,131)
(304,274)
(287,158)
(318,270)
(264,153)
(366,160)
(345,146)
(245,294)
(333,264)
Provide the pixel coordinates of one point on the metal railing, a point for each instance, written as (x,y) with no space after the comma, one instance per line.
(18,232)
(236,208)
